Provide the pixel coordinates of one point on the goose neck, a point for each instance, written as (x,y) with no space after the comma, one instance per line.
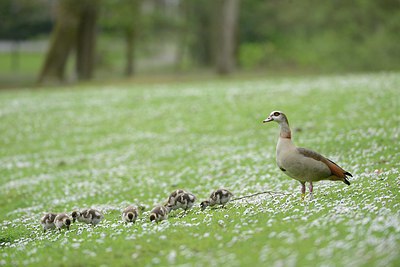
(285,130)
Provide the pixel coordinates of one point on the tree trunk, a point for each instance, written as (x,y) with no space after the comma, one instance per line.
(86,40)
(131,28)
(198,31)
(75,28)
(62,41)
(130,51)
(226,35)
(15,56)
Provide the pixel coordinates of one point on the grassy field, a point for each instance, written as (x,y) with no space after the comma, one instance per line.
(110,146)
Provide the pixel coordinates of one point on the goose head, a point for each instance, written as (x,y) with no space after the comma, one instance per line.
(277,116)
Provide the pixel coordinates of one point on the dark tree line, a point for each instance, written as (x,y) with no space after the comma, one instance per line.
(21,20)
(331,35)
(76,29)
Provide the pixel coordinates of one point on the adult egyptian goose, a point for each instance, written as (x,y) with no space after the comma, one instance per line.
(303,164)
(218,197)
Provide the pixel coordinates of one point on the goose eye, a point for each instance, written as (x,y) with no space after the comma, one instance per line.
(276,114)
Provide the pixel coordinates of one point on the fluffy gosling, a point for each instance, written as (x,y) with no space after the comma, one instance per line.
(47,221)
(183,201)
(130,214)
(172,197)
(62,220)
(218,197)
(89,216)
(159,213)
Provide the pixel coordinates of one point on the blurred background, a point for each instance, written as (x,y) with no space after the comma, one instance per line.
(67,41)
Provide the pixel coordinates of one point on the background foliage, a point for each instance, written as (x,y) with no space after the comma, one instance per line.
(328,35)
(179,36)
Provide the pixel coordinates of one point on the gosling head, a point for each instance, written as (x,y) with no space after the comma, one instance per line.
(204,204)
(75,214)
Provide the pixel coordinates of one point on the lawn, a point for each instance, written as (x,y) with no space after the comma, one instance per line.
(110,146)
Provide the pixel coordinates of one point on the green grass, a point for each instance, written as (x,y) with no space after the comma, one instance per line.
(29,63)
(23,73)
(110,146)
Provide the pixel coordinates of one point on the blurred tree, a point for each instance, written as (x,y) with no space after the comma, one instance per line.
(331,35)
(197,32)
(124,16)
(320,35)
(209,32)
(86,39)
(75,29)
(226,28)
(21,20)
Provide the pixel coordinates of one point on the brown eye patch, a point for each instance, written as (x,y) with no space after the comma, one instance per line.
(276,114)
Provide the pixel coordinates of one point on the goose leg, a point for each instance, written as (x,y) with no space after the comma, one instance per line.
(311,191)
(303,190)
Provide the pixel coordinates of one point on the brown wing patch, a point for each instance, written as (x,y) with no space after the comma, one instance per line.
(345,173)
(335,169)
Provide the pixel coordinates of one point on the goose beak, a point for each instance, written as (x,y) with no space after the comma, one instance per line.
(268,120)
